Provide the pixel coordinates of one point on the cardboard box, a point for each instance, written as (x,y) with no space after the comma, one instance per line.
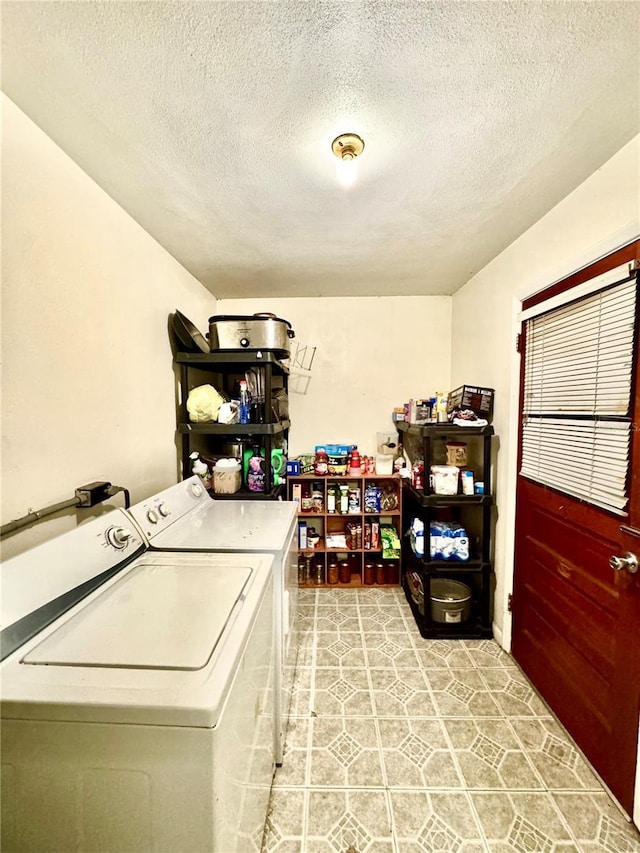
(479,400)
(306,463)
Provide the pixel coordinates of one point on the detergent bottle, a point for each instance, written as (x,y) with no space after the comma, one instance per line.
(256,474)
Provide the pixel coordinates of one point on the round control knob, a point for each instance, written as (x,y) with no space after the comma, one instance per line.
(152,516)
(164,510)
(196,490)
(118,537)
(244,342)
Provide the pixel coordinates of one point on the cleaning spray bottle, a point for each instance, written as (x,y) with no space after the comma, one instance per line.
(200,468)
(244,407)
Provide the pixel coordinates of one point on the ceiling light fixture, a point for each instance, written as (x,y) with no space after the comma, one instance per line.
(347,147)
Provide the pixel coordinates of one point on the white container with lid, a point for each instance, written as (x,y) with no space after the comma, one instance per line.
(444,479)
(227,477)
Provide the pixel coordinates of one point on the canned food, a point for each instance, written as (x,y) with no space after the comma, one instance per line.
(457,453)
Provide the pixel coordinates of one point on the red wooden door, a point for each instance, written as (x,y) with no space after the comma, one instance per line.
(576,621)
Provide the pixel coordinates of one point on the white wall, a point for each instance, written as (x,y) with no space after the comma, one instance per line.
(372,354)
(600,215)
(88,384)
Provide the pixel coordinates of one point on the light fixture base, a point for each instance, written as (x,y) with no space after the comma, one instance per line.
(347,146)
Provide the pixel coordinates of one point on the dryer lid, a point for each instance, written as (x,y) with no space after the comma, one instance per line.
(231,526)
(152,618)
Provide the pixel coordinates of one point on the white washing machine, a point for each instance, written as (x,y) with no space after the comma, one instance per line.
(137,696)
(184,518)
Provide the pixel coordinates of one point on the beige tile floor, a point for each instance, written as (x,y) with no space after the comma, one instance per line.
(398,744)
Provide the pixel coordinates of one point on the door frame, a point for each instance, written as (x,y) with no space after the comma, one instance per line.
(519,315)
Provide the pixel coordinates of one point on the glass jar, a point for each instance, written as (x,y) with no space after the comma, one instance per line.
(321,463)
(380,573)
(313,538)
(317,498)
(344,572)
(306,503)
(332,571)
(391,572)
(318,572)
(369,573)
(302,571)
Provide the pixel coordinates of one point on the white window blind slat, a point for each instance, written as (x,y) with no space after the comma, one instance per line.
(578,370)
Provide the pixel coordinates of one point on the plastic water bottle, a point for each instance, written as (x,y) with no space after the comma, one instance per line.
(243,409)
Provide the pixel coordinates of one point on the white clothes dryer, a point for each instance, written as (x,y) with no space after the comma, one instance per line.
(185,518)
(137,696)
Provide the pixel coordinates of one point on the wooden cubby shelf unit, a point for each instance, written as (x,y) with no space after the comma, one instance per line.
(331,524)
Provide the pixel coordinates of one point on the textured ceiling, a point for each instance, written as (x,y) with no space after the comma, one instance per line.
(211,124)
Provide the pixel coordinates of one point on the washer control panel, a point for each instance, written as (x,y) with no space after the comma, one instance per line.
(163,509)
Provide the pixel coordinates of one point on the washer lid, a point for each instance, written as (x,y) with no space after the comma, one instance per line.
(153,618)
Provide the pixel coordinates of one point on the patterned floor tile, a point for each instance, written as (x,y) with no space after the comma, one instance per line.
(345,753)
(437,822)
(336,597)
(401,692)
(416,754)
(398,744)
(342,821)
(441,653)
(461,693)
(301,692)
(522,823)
(306,654)
(596,824)
(487,653)
(366,596)
(336,647)
(343,617)
(306,609)
(284,829)
(553,754)
(294,772)
(513,692)
(388,619)
(388,650)
(342,691)
(490,756)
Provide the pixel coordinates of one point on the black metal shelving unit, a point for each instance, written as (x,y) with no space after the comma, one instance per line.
(222,369)
(475,511)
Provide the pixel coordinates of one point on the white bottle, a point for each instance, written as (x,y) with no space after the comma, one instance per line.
(200,468)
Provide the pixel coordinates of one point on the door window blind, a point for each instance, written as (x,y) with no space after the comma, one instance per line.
(577,387)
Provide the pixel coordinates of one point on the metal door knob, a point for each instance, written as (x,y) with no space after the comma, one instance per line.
(626,562)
